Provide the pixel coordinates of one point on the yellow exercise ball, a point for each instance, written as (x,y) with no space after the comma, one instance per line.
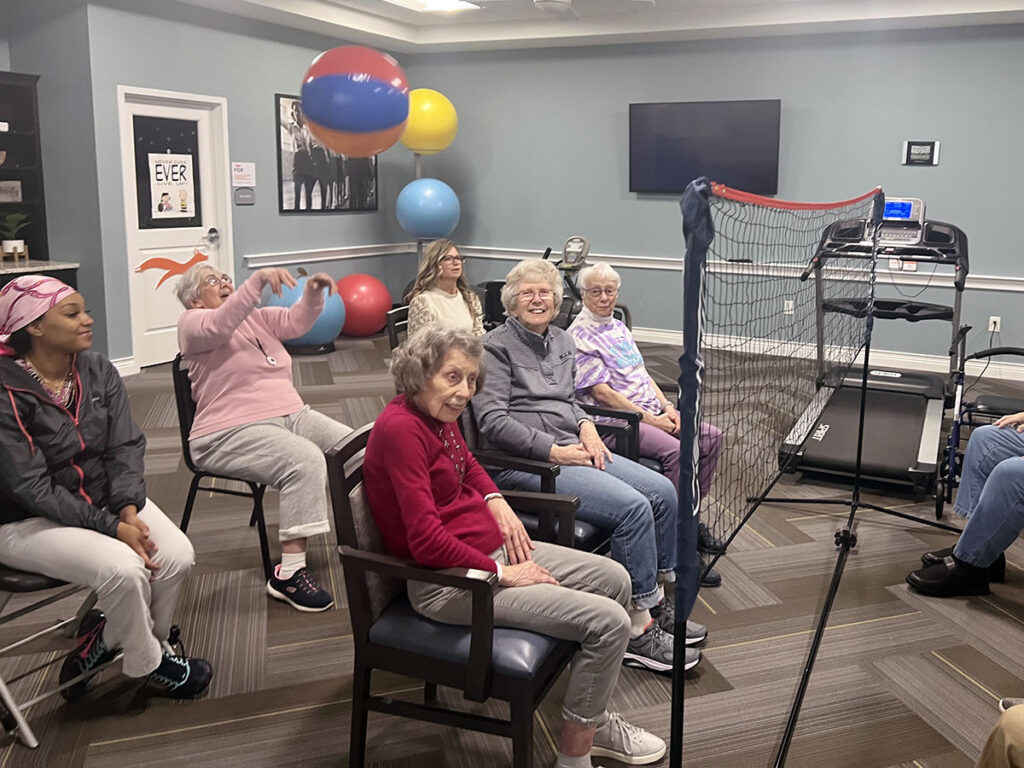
(432,123)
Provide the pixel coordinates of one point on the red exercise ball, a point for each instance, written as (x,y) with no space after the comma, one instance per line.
(367,301)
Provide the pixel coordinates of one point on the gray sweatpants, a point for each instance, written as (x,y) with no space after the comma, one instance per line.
(588,606)
(286,453)
(138,603)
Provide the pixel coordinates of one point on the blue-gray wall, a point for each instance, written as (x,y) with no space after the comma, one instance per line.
(542,146)
(5,56)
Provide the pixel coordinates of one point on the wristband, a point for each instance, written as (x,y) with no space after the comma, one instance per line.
(494,495)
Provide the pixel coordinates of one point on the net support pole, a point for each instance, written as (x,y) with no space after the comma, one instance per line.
(698,230)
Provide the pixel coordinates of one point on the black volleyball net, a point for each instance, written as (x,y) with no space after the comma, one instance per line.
(760,357)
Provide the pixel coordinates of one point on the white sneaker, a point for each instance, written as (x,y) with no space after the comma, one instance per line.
(626,743)
(1009,701)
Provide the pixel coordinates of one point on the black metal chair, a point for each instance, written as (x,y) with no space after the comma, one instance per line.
(186,414)
(397,324)
(480,660)
(12,582)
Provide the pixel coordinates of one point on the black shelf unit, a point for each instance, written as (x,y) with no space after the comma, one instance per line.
(22,159)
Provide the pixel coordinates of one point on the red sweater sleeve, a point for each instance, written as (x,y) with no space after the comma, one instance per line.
(404,448)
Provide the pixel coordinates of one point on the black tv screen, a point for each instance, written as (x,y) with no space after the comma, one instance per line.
(732,142)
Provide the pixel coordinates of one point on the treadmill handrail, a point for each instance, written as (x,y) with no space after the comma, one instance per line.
(890,309)
(992,352)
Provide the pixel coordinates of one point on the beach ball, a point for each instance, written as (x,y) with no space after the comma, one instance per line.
(355,100)
(428,208)
(432,122)
(326,328)
(367,301)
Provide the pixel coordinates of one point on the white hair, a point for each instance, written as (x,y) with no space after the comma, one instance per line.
(598,271)
(188,287)
(530,271)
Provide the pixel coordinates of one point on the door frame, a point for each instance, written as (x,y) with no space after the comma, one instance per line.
(129,96)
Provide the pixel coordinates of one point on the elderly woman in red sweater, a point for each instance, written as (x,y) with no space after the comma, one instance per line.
(436,505)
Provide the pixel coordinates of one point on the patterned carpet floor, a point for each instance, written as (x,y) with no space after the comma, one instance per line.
(901,680)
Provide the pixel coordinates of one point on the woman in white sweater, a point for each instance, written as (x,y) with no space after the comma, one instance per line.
(441,295)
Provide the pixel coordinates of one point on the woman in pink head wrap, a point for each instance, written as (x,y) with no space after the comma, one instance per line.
(73,500)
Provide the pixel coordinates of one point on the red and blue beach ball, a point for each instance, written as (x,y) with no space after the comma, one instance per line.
(355,100)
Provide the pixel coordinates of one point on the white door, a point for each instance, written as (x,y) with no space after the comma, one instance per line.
(177,195)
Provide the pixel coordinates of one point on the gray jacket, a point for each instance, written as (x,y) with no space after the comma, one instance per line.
(527,403)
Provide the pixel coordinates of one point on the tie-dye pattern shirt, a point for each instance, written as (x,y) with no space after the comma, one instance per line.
(606,353)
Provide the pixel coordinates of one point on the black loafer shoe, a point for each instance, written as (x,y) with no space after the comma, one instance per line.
(707,542)
(996,571)
(711,579)
(950,578)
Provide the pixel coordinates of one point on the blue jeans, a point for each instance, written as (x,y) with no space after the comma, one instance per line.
(637,504)
(991,494)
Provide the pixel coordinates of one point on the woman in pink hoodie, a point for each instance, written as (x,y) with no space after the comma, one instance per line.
(250,421)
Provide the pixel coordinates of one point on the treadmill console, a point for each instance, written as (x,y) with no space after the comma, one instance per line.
(902,221)
(574,252)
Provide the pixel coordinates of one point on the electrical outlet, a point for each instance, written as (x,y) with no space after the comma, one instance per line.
(788,307)
(994,323)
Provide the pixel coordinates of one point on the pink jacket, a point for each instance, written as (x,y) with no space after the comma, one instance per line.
(233,383)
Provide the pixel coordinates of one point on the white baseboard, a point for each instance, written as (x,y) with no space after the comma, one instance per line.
(126,366)
(881,358)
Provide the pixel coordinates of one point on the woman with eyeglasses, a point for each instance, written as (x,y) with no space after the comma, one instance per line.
(610,372)
(250,421)
(73,502)
(441,295)
(527,408)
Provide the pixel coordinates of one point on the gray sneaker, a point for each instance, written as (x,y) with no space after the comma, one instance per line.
(626,743)
(1009,701)
(664,614)
(653,650)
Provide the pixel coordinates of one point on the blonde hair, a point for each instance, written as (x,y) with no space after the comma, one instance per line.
(430,270)
(530,271)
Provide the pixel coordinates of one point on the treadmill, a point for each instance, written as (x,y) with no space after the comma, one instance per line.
(903,410)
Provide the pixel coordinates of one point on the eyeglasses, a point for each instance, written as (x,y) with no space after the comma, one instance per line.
(453,259)
(213,280)
(543,294)
(597,292)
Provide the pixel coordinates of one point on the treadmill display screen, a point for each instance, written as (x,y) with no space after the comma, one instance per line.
(897,210)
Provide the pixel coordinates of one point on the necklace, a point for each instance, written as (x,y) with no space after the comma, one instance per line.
(259,346)
(61,391)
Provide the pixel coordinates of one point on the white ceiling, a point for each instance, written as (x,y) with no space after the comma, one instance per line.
(518,24)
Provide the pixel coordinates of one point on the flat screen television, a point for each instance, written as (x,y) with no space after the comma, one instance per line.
(732,142)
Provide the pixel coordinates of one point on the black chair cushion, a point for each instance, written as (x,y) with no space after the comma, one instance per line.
(516,652)
(996,404)
(586,537)
(12,580)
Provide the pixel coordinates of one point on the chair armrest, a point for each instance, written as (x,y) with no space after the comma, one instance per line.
(547,471)
(548,507)
(479,584)
(627,438)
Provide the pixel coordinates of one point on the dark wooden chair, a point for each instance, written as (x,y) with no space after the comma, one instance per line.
(481,660)
(397,320)
(586,536)
(186,415)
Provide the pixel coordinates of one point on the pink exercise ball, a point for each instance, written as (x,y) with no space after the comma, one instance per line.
(367,301)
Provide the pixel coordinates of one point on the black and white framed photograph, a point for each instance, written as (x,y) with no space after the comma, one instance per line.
(312,178)
(920,153)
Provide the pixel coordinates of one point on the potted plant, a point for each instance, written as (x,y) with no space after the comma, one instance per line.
(10,226)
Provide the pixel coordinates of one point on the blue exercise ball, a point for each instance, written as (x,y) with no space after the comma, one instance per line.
(428,209)
(326,328)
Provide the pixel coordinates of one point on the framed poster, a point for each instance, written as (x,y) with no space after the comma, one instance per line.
(312,178)
(167,179)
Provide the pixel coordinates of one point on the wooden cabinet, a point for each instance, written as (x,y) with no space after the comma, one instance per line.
(21,167)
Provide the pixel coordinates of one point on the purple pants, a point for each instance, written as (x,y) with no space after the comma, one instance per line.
(659,445)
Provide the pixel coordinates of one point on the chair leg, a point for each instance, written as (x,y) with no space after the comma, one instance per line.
(357,737)
(28,738)
(430,693)
(187,514)
(522,734)
(261,527)
(71,630)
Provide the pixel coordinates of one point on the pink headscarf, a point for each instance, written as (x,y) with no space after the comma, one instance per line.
(25,299)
